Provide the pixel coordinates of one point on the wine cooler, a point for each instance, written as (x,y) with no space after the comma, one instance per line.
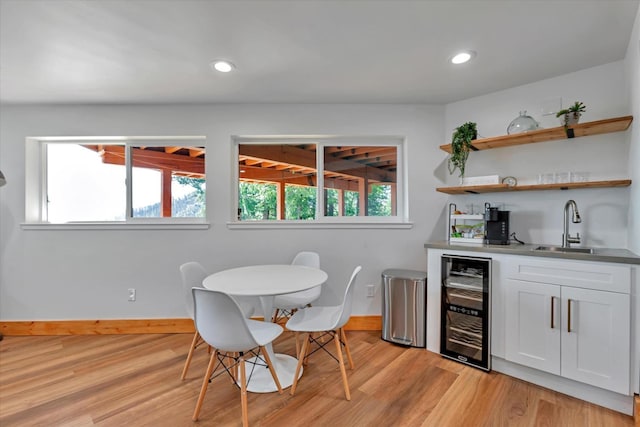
(466,310)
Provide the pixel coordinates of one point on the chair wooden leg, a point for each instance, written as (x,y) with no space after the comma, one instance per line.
(274,319)
(336,339)
(301,357)
(243,393)
(194,343)
(271,368)
(234,369)
(305,361)
(205,384)
(346,347)
(297,344)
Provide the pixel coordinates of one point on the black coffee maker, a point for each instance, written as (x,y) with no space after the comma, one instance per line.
(496,226)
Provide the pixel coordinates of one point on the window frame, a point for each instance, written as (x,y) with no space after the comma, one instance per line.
(400,220)
(36,215)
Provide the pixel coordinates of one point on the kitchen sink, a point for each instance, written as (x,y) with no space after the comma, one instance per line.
(566,250)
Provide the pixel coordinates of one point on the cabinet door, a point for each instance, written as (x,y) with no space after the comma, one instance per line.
(595,338)
(532,330)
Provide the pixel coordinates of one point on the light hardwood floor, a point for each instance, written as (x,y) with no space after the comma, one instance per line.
(134,380)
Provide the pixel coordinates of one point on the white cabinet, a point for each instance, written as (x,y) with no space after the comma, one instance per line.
(532,332)
(595,338)
(570,319)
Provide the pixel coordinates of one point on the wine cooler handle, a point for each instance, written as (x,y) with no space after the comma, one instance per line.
(569,315)
(553,323)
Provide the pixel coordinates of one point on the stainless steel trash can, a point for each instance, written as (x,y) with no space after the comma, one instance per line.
(404,300)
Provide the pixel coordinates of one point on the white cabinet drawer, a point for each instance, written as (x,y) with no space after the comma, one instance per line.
(579,274)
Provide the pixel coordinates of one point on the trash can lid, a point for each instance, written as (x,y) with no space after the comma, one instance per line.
(405,274)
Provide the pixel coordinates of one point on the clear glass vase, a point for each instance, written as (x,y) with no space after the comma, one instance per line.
(522,123)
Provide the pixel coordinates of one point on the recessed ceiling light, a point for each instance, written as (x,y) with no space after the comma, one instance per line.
(222,66)
(462,57)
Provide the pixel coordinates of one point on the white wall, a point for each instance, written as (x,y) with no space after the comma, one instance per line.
(85,274)
(538,216)
(632,68)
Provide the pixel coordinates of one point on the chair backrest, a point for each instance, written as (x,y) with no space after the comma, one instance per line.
(345,313)
(309,259)
(220,321)
(192,273)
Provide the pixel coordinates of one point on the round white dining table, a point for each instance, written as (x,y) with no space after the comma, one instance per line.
(265,282)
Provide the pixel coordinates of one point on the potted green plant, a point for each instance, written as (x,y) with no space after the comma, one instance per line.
(571,115)
(460,146)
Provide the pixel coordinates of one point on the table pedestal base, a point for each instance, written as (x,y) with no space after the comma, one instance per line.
(261,380)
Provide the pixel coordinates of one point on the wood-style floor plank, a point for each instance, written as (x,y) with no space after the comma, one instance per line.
(134,380)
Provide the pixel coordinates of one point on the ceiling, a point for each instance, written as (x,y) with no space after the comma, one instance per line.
(349,51)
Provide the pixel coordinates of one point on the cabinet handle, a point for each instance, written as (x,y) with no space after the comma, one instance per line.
(553,323)
(569,315)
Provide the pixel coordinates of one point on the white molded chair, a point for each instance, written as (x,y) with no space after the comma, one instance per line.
(221,323)
(289,303)
(193,273)
(328,321)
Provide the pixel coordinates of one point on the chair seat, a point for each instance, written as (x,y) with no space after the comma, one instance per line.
(296,299)
(314,319)
(264,332)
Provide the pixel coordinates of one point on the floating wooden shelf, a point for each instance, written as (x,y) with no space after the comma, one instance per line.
(617,124)
(498,188)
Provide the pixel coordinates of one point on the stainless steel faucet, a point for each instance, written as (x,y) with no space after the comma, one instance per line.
(567,239)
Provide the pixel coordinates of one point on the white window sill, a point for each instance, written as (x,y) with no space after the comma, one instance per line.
(248,225)
(132,225)
(244,225)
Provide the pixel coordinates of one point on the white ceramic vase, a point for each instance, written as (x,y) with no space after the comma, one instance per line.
(571,119)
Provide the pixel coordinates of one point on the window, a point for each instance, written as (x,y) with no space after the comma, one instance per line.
(85,179)
(360,179)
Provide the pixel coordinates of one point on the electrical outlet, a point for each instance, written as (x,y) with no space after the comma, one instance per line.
(371,290)
(132,294)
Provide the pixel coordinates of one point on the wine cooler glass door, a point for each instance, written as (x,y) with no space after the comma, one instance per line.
(465,323)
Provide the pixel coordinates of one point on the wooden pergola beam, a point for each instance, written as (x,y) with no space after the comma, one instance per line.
(357,170)
(114,154)
(299,157)
(280,154)
(165,203)
(256,174)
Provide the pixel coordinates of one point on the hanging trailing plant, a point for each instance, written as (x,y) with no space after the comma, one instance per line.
(460,146)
